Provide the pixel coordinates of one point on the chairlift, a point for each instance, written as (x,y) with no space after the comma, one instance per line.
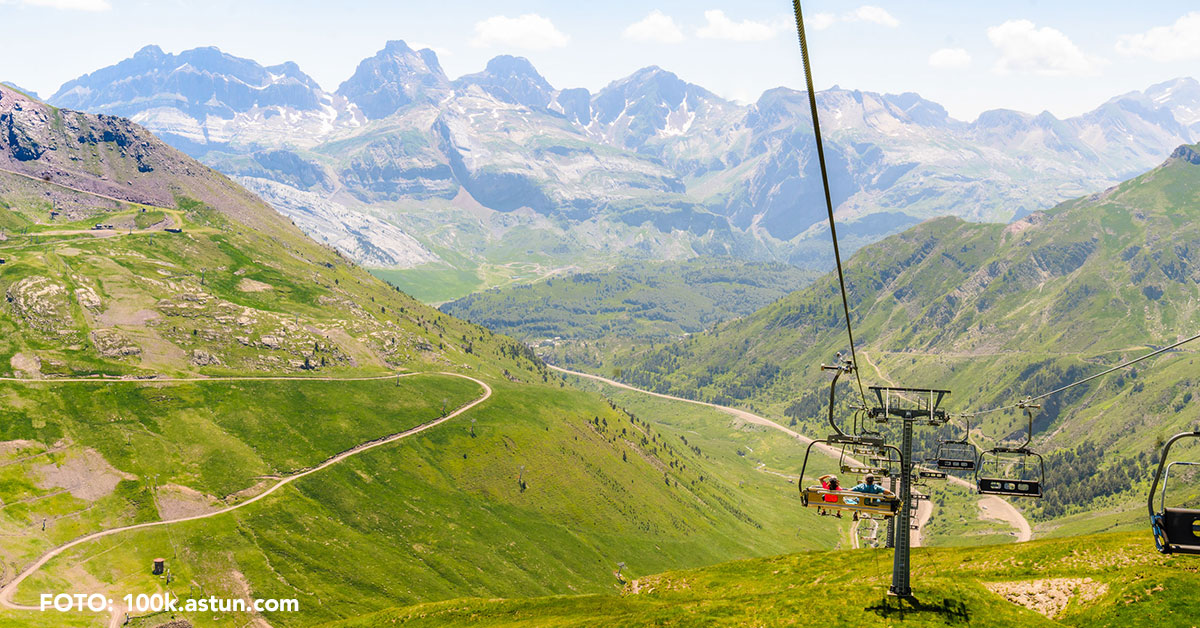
(1010,470)
(932,475)
(957,455)
(842,499)
(1176,530)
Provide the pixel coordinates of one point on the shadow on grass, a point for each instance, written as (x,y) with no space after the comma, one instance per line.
(950,611)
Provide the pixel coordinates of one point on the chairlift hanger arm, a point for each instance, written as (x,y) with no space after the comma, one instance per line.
(1162,464)
(844,366)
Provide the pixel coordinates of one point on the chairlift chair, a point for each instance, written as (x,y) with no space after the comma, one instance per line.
(957,455)
(1176,530)
(1008,469)
(841,499)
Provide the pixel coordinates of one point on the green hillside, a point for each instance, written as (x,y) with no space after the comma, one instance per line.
(202,351)
(995,313)
(584,318)
(1113,580)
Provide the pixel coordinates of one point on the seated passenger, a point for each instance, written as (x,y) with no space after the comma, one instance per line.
(869,486)
(829,482)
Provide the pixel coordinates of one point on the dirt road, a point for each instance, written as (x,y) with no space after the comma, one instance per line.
(9,590)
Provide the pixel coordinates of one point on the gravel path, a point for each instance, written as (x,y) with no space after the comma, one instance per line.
(9,590)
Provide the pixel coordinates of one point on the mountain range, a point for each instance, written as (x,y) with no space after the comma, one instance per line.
(506,176)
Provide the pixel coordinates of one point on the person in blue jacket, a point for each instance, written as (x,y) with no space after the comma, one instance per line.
(869,486)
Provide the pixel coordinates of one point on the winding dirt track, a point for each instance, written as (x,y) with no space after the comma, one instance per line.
(9,590)
(996,508)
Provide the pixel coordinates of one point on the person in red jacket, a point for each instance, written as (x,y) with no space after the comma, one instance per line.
(829,482)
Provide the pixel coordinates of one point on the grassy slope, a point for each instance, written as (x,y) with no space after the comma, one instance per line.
(764,463)
(994,314)
(1138,588)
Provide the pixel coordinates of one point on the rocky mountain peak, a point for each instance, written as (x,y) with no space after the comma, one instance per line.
(513,80)
(649,103)
(150,51)
(395,77)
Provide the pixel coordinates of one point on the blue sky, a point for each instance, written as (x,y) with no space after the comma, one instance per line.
(1063,56)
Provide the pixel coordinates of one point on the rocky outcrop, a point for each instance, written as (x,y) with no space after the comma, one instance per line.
(1186,153)
(111,343)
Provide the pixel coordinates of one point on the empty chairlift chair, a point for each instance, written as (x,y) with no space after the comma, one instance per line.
(1176,530)
(1012,471)
(957,455)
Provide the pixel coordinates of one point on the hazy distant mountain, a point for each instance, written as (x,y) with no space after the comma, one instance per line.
(501,167)
(512,80)
(27,92)
(395,77)
(204,98)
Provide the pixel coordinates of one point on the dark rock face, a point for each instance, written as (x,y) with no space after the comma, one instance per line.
(576,105)
(395,77)
(1186,153)
(512,80)
(23,146)
(200,82)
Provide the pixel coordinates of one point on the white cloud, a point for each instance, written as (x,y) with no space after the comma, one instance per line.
(868,13)
(865,13)
(1025,48)
(530,31)
(721,27)
(950,59)
(70,5)
(656,27)
(820,21)
(1176,42)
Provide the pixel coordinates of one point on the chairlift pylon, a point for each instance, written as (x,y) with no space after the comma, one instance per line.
(1176,530)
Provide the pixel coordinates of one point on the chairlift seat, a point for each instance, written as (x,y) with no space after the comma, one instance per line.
(952,464)
(848,439)
(1009,486)
(932,475)
(1179,529)
(851,469)
(884,505)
